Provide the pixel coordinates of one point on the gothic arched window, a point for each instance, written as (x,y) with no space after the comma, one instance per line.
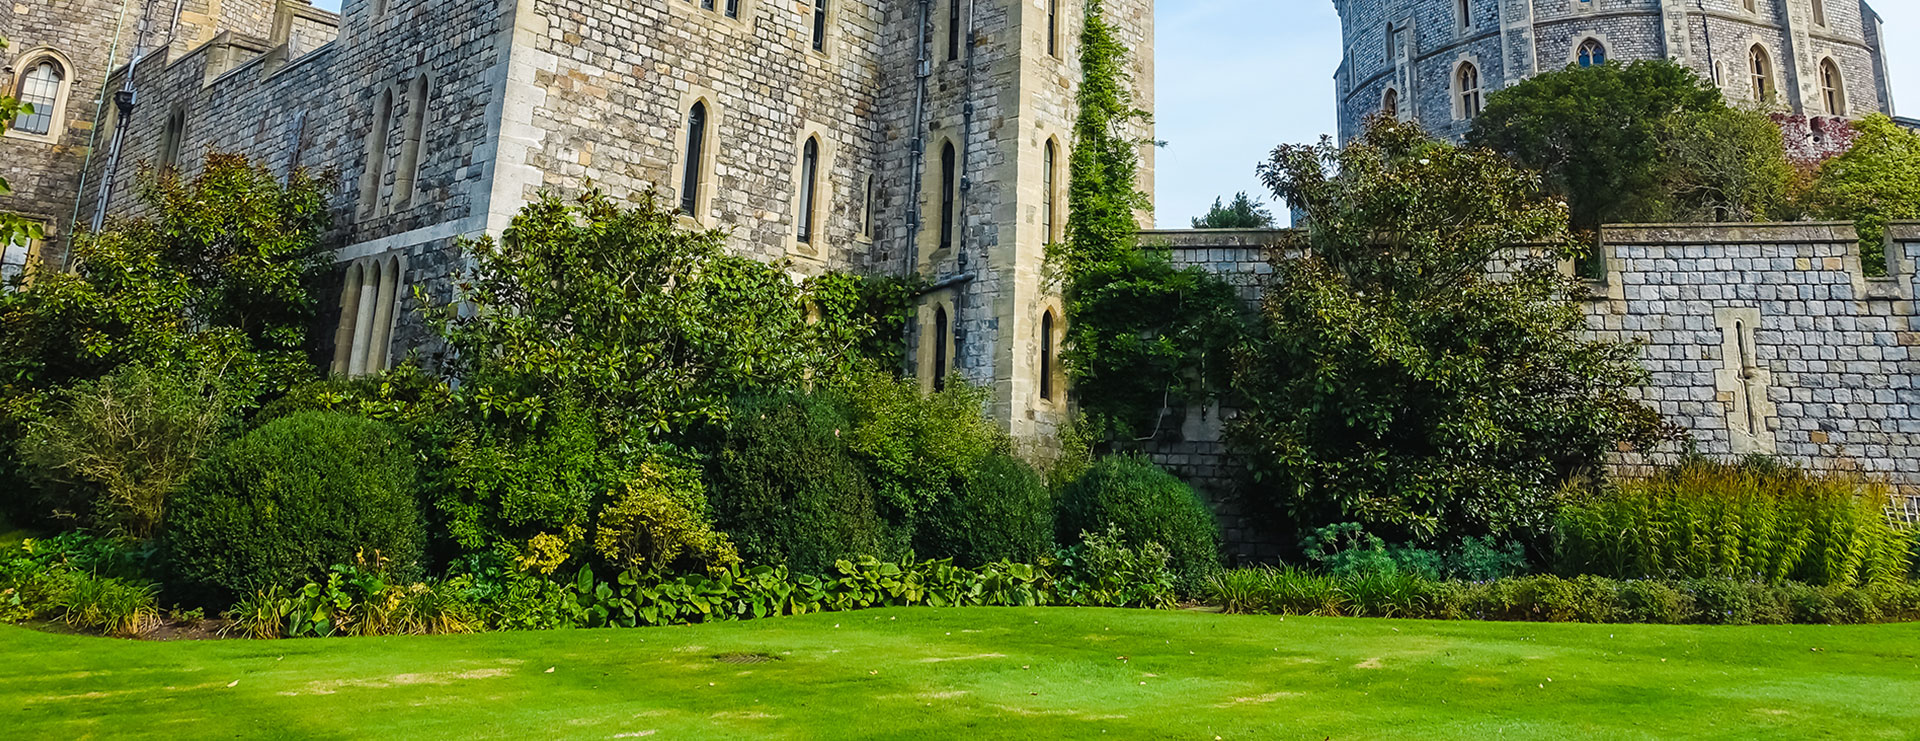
(809,181)
(1760,66)
(940,330)
(1046,194)
(1390,103)
(1468,82)
(1592,53)
(1046,355)
(40,87)
(948,176)
(696,150)
(1833,89)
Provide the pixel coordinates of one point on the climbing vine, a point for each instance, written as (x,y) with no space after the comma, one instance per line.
(1143,338)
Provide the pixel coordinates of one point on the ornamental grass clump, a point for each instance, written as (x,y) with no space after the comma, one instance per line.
(1748,522)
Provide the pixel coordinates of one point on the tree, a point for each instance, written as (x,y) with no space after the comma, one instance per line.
(1727,164)
(1597,133)
(1874,182)
(13,228)
(1141,336)
(1415,370)
(1242,213)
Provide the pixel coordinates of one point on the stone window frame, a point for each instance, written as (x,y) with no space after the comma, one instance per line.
(1833,98)
(1580,43)
(1050,331)
(1457,92)
(1751,6)
(822,188)
(1463,17)
(930,178)
(703,216)
(363,336)
(1053,29)
(869,210)
(1818,10)
(695,9)
(30,254)
(1390,101)
(406,173)
(938,305)
(1052,181)
(1772,90)
(27,61)
(173,137)
(373,168)
(950,34)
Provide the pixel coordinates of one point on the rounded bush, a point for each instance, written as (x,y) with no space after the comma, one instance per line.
(1002,511)
(785,488)
(1148,504)
(287,501)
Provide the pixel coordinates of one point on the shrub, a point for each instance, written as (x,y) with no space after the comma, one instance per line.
(1744,522)
(1102,570)
(918,448)
(113,606)
(785,488)
(1003,512)
(1148,505)
(285,502)
(658,523)
(121,444)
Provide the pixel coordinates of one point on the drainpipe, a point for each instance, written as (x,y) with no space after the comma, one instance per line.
(124,101)
(922,70)
(93,136)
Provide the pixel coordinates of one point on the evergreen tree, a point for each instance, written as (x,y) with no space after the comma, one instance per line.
(1242,213)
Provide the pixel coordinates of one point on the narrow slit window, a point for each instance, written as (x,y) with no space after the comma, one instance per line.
(696,150)
(376,147)
(1046,196)
(809,175)
(940,348)
(1053,28)
(1046,355)
(867,209)
(1466,14)
(953,29)
(172,137)
(947,177)
(819,25)
(407,175)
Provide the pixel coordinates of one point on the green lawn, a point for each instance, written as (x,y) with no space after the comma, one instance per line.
(984,673)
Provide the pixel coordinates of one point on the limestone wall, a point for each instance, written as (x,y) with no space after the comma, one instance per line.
(1758,338)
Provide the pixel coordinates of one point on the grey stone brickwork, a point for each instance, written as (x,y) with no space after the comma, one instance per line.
(1415,49)
(529,96)
(1758,338)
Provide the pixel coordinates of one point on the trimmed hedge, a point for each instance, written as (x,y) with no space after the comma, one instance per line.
(1545,598)
(1148,504)
(287,501)
(1002,512)
(785,488)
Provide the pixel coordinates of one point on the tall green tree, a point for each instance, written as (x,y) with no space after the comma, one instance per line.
(1875,181)
(1596,133)
(1413,371)
(1242,213)
(1141,336)
(1727,164)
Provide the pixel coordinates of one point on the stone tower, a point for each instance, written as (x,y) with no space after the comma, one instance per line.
(1435,61)
(869,135)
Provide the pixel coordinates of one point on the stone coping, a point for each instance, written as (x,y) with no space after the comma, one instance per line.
(1617,234)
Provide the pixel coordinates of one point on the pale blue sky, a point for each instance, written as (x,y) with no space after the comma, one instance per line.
(1237,77)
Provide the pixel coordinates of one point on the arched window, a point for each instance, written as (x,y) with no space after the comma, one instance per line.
(1390,103)
(940,348)
(1833,89)
(1465,8)
(407,174)
(368,299)
(1046,194)
(40,87)
(375,173)
(1819,13)
(1053,28)
(172,137)
(1468,80)
(947,178)
(696,151)
(809,180)
(1046,355)
(868,207)
(953,29)
(1760,66)
(1592,53)
(819,25)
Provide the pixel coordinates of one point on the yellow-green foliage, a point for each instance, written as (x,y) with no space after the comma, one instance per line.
(659,523)
(1745,522)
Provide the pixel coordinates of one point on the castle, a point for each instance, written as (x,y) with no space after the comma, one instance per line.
(1436,61)
(861,135)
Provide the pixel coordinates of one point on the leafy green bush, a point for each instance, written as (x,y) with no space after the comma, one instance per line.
(783,485)
(354,600)
(287,501)
(1102,570)
(1003,512)
(80,580)
(1148,505)
(658,523)
(917,448)
(119,445)
(1746,522)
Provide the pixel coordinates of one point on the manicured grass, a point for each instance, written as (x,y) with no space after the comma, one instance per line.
(986,673)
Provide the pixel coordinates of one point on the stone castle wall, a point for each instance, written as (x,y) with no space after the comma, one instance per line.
(1510,40)
(1758,338)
